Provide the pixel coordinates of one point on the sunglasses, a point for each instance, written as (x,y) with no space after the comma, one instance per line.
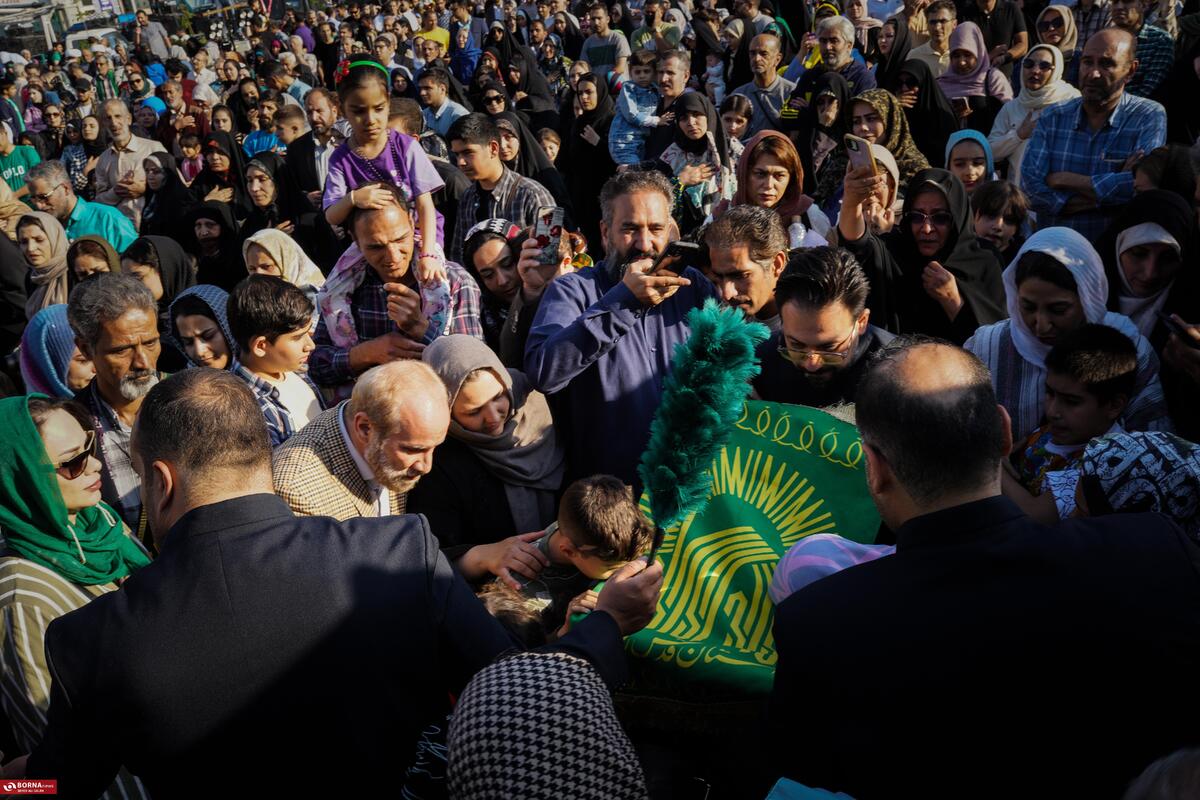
(493,98)
(1033,63)
(1050,24)
(798,358)
(940,219)
(73,467)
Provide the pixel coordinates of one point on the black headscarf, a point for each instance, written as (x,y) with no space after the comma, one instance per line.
(591,165)
(605,108)
(888,70)
(411,91)
(932,120)
(234,178)
(174,268)
(501,41)
(696,103)
(833,83)
(975,269)
(532,161)
(166,205)
(490,84)
(227,269)
(539,95)
(1180,89)
(289,203)
(833,168)
(93,147)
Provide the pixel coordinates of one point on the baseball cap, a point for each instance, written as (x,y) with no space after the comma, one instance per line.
(82,85)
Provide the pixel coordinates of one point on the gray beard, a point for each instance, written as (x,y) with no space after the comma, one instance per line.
(394,480)
(131,388)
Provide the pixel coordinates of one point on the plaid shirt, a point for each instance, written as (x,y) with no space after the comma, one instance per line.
(1089,22)
(1063,142)
(515,198)
(280,425)
(329,365)
(1155,55)
(120,486)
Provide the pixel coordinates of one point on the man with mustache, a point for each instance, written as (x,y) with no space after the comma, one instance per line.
(603,337)
(1077,166)
(361,457)
(747,249)
(825,341)
(115,319)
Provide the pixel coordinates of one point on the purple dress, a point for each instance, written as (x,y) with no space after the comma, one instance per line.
(402,162)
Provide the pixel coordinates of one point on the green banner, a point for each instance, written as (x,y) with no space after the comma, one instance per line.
(787,472)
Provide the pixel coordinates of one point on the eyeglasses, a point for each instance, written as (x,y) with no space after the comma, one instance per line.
(43,198)
(1033,63)
(493,98)
(799,358)
(939,219)
(73,467)
(1050,24)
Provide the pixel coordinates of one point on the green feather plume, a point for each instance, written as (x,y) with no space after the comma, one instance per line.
(702,399)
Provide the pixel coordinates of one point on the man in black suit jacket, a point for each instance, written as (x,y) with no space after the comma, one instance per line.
(308,653)
(302,152)
(990,656)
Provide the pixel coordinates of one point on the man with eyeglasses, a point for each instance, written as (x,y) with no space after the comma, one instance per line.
(1004,32)
(942,19)
(50,191)
(826,339)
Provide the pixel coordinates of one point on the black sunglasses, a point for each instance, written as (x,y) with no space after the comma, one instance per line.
(73,467)
(940,218)
(493,98)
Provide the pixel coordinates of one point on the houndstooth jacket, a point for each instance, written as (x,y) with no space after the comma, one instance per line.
(316,475)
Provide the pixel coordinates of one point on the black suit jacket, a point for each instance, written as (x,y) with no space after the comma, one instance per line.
(262,651)
(992,656)
(301,158)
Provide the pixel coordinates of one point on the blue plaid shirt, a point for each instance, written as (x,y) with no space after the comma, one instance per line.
(280,425)
(1063,142)
(329,365)
(1155,55)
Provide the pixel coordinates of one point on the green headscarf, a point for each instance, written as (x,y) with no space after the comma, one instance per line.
(33,518)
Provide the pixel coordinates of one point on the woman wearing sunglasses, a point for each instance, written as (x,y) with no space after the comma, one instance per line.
(1042,86)
(63,548)
(1056,27)
(929,274)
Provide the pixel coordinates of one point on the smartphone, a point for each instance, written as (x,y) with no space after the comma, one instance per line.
(960,105)
(549,232)
(859,151)
(677,249)
(1174,327)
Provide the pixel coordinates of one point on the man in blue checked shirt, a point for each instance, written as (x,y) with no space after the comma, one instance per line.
(1077,167)
(1155,47)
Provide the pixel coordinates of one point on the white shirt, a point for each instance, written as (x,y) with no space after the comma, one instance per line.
(322,152)
(298,397)
(383,497)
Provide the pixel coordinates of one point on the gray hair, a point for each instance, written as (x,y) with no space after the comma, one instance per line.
(759,229)
(104,298)
(845,28)
(52,172)
(632,182)
(115,103)
(382,392)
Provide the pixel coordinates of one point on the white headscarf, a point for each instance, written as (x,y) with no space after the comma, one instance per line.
(1056,89)
(297,268)
(1069,248)
(1142,310)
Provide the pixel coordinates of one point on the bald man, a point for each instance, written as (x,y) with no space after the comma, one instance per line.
(990,656)
(1077,165)
(767,92)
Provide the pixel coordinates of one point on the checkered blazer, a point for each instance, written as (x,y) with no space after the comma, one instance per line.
(316,475)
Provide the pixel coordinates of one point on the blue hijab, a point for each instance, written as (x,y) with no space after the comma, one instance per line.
(217,300)
(969,135)
(47,346)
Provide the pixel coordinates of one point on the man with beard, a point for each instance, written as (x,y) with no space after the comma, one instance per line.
(822,350)
(308,155)
(767,92)
(115,319)
(361,457)
(1076,169)
(603,337)
(747,249)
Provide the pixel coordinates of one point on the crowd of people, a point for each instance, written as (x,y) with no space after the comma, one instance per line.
(332,350)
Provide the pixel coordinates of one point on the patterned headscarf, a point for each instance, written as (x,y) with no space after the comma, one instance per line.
(502,732)
(896,138)
(1144,471)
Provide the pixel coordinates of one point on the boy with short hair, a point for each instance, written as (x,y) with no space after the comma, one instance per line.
(1091,373)
(636,107)
(599,529)
(271,320)
(192,162)
(290,124)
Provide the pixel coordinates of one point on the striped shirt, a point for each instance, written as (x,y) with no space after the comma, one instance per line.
(31,597)
(1020,384)
(1063,141)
